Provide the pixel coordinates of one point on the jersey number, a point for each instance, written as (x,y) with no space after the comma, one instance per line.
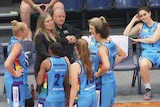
(58,77)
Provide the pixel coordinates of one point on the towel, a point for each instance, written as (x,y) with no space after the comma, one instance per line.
(121,41)
(87,38)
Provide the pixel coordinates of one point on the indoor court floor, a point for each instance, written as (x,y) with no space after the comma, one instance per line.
(138,104)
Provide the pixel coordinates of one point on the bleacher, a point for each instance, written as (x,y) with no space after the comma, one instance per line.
(117,12)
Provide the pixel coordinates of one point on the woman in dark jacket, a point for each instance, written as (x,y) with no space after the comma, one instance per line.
(45,34)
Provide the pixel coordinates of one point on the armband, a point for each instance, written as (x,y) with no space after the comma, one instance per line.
(34,6)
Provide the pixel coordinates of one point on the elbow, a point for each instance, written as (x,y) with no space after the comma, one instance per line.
(153,41)
(6,65)
(106,68)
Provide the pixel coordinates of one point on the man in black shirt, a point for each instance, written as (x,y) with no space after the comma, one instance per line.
(68,34)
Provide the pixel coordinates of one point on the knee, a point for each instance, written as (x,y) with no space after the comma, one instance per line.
(145,65)
(25,7)
(29,102)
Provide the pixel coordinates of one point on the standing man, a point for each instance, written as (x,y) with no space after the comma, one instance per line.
(28,6)
(68,34)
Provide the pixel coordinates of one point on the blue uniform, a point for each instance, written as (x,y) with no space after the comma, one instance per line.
(150,51)
(96,65)
(17,88)
(95,60)
(108,88)
(55,96)
(86,93)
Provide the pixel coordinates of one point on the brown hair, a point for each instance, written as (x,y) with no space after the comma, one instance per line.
(101,26)
(84,54)
(144,8)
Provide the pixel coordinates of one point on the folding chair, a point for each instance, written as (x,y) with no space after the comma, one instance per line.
(127,64)
(138,52)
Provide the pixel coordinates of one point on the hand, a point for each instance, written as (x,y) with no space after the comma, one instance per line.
(136,18)
(96,74)
(47,6)
(39,9)
(135,40)
(73,39)
(18,72)
(68,38)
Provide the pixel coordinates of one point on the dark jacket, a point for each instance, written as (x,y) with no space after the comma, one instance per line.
(68,47)
(41,48)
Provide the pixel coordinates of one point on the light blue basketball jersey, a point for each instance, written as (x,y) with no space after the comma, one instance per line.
(86,93)
(112,52)
(95,60)
(56,78)
(148,32)
(17,86)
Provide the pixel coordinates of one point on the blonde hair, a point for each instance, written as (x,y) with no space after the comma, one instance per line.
(41,29)
(101,26)
(17,26)
(84,54)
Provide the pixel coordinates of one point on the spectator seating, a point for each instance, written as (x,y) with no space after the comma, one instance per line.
(138,52)
(128,6)
(92,5)
(74,12)
(96,8)
(127,64)
(154,5)
(72,5)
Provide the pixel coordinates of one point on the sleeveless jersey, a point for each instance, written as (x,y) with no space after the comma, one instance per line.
(86,86)
(56,78)
(95,59)
(112,52)
(20,61)
(148,32)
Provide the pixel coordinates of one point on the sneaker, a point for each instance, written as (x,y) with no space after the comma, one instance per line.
(148,95)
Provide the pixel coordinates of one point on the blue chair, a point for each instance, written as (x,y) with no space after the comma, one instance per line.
(138,52)
(154,3)
(127,3)
(97,4)
(73,9)
(127,64)
(72,5)
(155,6)
(128,6)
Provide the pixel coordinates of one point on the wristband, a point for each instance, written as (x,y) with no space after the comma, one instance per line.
(34,6)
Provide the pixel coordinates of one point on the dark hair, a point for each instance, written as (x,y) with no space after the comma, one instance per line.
(143,8)
(56,48)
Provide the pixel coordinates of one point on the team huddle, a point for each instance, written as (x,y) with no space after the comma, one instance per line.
(85,79)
